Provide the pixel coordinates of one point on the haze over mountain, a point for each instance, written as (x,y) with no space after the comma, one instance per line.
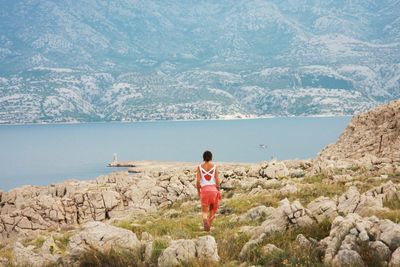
(139,60)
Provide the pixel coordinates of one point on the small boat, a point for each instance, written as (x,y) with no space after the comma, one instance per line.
(263,146)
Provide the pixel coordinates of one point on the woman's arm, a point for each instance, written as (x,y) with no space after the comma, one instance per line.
(217,177)
(198,181)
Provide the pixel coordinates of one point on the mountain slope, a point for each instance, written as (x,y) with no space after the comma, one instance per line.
(139,60)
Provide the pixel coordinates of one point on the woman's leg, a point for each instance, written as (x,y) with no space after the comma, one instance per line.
(204,213)
(211,216)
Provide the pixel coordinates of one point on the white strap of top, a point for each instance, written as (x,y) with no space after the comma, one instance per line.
(208,172)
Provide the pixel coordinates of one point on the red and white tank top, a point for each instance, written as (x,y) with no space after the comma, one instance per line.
(207,177)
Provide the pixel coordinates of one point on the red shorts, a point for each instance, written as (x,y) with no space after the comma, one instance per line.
(209,196)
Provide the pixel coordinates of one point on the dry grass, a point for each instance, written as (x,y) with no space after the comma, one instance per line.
(6,252)
(244,202)
(37,242)
(307,194)
(62,240)
(111,258)
(158,246)
(228,238)
(291,255)
(187,226)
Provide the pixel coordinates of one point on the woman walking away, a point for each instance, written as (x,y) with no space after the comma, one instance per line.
(208,189)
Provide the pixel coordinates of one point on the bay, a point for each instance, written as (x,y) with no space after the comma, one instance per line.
(44,154)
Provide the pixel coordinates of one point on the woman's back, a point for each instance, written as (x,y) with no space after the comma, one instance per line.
(207,174)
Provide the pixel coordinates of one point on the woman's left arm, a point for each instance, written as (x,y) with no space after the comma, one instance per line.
(217,176)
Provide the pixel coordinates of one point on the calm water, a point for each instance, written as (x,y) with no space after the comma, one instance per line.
(43,154)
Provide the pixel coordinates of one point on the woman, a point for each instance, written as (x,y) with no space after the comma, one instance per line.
(208,189)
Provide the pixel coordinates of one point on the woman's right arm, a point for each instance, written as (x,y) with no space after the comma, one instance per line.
(198,181)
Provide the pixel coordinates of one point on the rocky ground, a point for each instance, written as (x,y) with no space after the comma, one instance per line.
(340,209)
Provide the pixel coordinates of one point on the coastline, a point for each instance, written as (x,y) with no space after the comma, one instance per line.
(177,120)
(144,166)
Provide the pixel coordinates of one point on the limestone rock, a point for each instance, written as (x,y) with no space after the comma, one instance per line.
(4,262)
(35,208)
(206,248)
(100,236)
(184,250)
(303,242)
(256,213)
(270,249)
(287,215)
(323,208)
(349,200)
(349,258)
(371,138)
(288,189)
(395,260)
(351,234)
(273,170)
(25,256)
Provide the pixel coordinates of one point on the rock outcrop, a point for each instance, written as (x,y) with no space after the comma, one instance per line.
(102,237)
(287,215)
(352,201)
(352,237)
(372,139)
(33,208)
(184,250)
(376,133)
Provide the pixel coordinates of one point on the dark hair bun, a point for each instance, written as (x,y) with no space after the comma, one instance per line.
(207,155)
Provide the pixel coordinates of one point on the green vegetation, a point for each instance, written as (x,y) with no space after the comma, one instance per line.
(37,242)
(307,194)
(291,254)
(243,202)
(62,240)
(158,246)
(115,258)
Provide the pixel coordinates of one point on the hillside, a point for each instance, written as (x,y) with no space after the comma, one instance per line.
(374,133)
(143,60)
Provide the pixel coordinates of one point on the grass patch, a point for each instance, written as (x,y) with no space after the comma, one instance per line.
(393,204)
(243,203)
(395,177)
(393,215)
(158,247)
(307,194)
(186,227)
(6,253)
(229,240)
(36,242)
(199,263)
(314,179)
(120,258)
(62,240)
(291,255)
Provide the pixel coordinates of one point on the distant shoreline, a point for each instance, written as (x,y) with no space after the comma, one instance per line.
(175,120)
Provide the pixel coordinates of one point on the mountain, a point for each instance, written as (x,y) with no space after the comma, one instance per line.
(128,60)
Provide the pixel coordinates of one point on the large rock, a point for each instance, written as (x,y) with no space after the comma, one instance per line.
(100,236)
(323,208)
(273,169)
(353,236)
(395,260)
(347,258)
(256,213)
(287,215)
(33,208)
(185,250)
(26,256)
